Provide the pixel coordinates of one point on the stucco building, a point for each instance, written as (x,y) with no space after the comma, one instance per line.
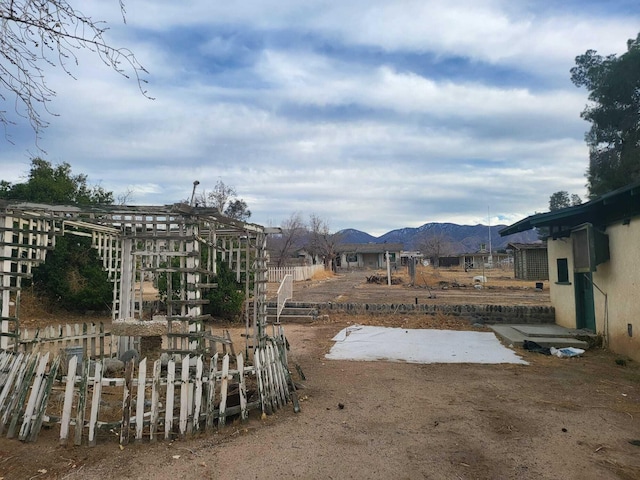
(594,266)
(368,255)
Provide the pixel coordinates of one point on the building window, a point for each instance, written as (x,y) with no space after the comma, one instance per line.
(563,270)
(352,258)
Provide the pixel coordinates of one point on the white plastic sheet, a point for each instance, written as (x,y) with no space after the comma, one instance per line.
(419,346)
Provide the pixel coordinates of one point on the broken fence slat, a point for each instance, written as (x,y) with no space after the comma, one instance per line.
(273,402)
(68,400)
(33,397)
(155,394)
(224,386)
(258,368)
(15,365)
(242,388)
(184,394)
(198,395)
(82,402)
(95,403)
(43,399)
(142,378)
(20,394)
(277,375)
(126,402)
(211,392)
(168,421)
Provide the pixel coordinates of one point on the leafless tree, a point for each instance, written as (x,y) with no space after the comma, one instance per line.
(284,245)
(125,197)
(322,243)
(434,246)
(223,198)
(35,34)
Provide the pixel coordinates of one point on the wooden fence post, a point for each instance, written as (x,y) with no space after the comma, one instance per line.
(155,395)
(82,402)
(242,388)
(126,402)
(95,403)
(198,395)
(211,392)
(168,420)
(224,385)
(68,400)
(140,397)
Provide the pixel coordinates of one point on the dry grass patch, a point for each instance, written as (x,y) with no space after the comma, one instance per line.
(323,275)
(496,277)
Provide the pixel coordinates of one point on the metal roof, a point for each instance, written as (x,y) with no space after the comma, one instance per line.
(369,247)
(618,205)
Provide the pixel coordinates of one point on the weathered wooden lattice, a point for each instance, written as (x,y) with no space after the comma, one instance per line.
(137,244)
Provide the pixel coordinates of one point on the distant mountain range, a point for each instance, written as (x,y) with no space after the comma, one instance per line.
(462,238)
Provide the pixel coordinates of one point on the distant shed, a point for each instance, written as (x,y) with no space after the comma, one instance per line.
(530,261)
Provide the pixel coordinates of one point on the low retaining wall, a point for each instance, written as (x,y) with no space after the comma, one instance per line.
(492,314)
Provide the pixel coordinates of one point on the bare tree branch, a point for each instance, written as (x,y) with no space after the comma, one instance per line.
(37,33)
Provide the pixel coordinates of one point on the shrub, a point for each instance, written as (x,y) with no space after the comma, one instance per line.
(227,299)
(72,276)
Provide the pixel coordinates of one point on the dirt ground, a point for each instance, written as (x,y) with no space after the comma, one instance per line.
(432,286)
(552,419)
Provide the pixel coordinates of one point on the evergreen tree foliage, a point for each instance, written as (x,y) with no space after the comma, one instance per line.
(56,185)
(227,299)
(614,113)
(562,199)
(72,276)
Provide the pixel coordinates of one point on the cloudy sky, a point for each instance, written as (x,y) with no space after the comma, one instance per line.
(373,114)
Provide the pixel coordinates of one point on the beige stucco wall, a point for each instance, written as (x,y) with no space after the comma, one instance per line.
(562,296)
(619,278)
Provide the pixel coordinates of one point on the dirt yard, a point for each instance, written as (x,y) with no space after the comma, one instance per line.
(553,419)
(432,286)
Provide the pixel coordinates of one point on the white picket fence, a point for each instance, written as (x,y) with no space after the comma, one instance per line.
(93,338)
(299,274)
(182,399)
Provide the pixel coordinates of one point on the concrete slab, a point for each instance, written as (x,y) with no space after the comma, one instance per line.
(516,335)
(369,343)
(548,330)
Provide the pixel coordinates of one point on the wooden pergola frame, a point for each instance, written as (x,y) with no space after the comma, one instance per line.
(138,243)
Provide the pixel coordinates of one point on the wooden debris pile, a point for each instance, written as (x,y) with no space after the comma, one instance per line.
(382,279)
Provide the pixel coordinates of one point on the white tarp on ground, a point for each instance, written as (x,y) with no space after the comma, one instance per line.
(419,346)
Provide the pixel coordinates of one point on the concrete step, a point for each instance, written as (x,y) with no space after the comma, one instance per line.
(290,318)
(293,311)
(544,335)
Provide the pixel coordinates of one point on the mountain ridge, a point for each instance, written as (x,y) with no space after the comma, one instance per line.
(459,238)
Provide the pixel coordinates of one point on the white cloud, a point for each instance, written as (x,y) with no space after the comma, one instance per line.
(311,125)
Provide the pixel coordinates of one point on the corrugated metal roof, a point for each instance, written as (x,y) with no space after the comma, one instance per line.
(369,247)
(617,205)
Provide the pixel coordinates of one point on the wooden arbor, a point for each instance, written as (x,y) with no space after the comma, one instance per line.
(138,244)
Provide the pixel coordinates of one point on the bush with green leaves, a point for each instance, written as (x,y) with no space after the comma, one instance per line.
(225,301)
(73,278)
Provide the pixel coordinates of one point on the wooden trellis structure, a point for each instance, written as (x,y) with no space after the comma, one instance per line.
(136,244)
